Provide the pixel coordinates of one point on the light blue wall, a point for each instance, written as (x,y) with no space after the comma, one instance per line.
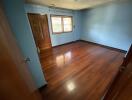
(14,9)
(109,24)
(78,26)
(57,39)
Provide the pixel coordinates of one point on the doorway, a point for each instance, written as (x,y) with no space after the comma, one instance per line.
(40,29)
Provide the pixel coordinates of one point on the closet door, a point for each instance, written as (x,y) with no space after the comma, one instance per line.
(40,29)
(45,31)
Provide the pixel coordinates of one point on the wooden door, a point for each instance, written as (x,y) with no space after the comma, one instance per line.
(46,42)
(121,89)
(40,29)
(15,80)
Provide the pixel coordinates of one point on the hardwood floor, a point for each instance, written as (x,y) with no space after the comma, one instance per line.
(121,88)
(79,71)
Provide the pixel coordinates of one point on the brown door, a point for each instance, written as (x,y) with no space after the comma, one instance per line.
(15,80)
(121,89)
(40,29)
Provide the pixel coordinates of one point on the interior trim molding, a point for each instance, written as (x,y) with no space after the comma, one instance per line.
(65,43)
(108,47)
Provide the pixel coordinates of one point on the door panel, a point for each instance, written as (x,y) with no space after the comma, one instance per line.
(36,27)
(15,80)
(45,32)
(39,25)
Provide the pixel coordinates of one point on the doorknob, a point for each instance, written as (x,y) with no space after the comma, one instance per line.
(27,60)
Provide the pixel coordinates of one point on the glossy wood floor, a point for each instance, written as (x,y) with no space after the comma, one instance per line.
(121,89)
(79,71)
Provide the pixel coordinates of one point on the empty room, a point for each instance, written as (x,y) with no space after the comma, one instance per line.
(66,50)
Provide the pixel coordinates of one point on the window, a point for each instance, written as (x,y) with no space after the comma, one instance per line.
(61,24)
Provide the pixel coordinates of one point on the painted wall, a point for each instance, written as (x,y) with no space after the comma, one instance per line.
(56,39)
(109,25)
(18,21)
(77,22)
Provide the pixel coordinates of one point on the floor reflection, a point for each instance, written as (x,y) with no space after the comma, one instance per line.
(63,59)
(70,86)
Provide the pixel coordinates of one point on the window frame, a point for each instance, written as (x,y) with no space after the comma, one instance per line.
(62,16)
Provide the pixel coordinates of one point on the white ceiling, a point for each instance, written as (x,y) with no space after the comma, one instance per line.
(69,4)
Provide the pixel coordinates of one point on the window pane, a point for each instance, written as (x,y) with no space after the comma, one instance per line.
(67,21)
(56,24)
